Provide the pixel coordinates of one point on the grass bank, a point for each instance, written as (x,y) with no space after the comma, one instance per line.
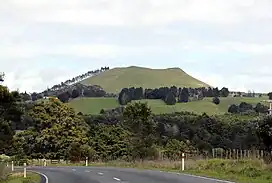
(18,178)
(241,171)
(6,176)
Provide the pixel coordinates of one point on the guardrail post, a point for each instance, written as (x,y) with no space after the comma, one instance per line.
(182,162)
(12,166)
(44,162)
(24,170)
(86,162)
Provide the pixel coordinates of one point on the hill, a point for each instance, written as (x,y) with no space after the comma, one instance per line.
(94,105)
(114,80)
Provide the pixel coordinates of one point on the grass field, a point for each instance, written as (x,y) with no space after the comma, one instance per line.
(115,79)
(94,105)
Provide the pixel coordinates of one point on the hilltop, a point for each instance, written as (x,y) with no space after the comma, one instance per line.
(113,80)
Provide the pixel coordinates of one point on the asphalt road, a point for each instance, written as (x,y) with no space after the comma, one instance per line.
(114,175)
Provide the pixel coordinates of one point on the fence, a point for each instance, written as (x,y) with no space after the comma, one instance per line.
(218,154)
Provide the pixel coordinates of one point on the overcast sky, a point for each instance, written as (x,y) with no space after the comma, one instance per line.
(221,42)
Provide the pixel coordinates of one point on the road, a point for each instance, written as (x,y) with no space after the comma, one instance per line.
(114,175)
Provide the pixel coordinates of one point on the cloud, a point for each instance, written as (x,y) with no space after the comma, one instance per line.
(141,12)
(204,37)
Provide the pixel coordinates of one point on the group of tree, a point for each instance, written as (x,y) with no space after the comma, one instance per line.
(65,86)
(244,107)
(57,132)
(170,95)
(78,78)
(69,92)
(11,111)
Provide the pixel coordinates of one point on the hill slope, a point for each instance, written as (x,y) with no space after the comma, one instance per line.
(115,79)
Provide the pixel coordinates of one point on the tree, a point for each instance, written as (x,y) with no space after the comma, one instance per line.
(73,152)
(264,132)
(58,126)
(270,95)
(260,108)
(224,92)
(216,100)
(137,120)
(170,99)
(2,77)
(6,135)
(10,110)
(184,95)
(64,97)
(124,96)
(233,109)
(75,93)
(174,148)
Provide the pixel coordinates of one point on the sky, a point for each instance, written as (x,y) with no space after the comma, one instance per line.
(221,42)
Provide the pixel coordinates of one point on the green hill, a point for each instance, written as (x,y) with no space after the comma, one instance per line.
(115,79)
(94,105)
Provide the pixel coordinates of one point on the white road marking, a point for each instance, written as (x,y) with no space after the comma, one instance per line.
(74,169)
(99,173)
(87,170)
(116,179)
(46,178)
(212,179)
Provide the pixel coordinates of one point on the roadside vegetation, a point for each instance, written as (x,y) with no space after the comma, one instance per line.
(6,176)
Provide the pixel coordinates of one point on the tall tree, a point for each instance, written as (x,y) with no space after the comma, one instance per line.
(264,132)
(137,119)
(58,126)
(184,95)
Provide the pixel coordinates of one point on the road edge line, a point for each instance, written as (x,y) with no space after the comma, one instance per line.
(46,178)
(207,178)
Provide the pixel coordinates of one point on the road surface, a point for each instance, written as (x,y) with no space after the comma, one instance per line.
(114,175)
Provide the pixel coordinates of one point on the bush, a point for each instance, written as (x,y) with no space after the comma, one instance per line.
(216,100)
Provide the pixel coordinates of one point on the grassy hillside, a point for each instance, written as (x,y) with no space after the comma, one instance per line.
(94,105)
(115,79)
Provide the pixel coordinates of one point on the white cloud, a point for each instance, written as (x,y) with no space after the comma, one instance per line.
(249,48)
(141,12)
(118,31)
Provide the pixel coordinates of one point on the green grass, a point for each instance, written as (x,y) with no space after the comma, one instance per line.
(18,178)
(115,79)
(94,105)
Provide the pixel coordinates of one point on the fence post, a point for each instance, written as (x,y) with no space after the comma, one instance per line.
(24,170)
(86,162)
(12,166)
(213,153)
(182,161)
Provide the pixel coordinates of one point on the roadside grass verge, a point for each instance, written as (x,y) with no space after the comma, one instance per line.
(17,177)
(6,176)
(242,171)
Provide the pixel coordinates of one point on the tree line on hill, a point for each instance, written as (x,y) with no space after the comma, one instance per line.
(171,95)
(63,87)
(69,92)
(78,78)
(52,130)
